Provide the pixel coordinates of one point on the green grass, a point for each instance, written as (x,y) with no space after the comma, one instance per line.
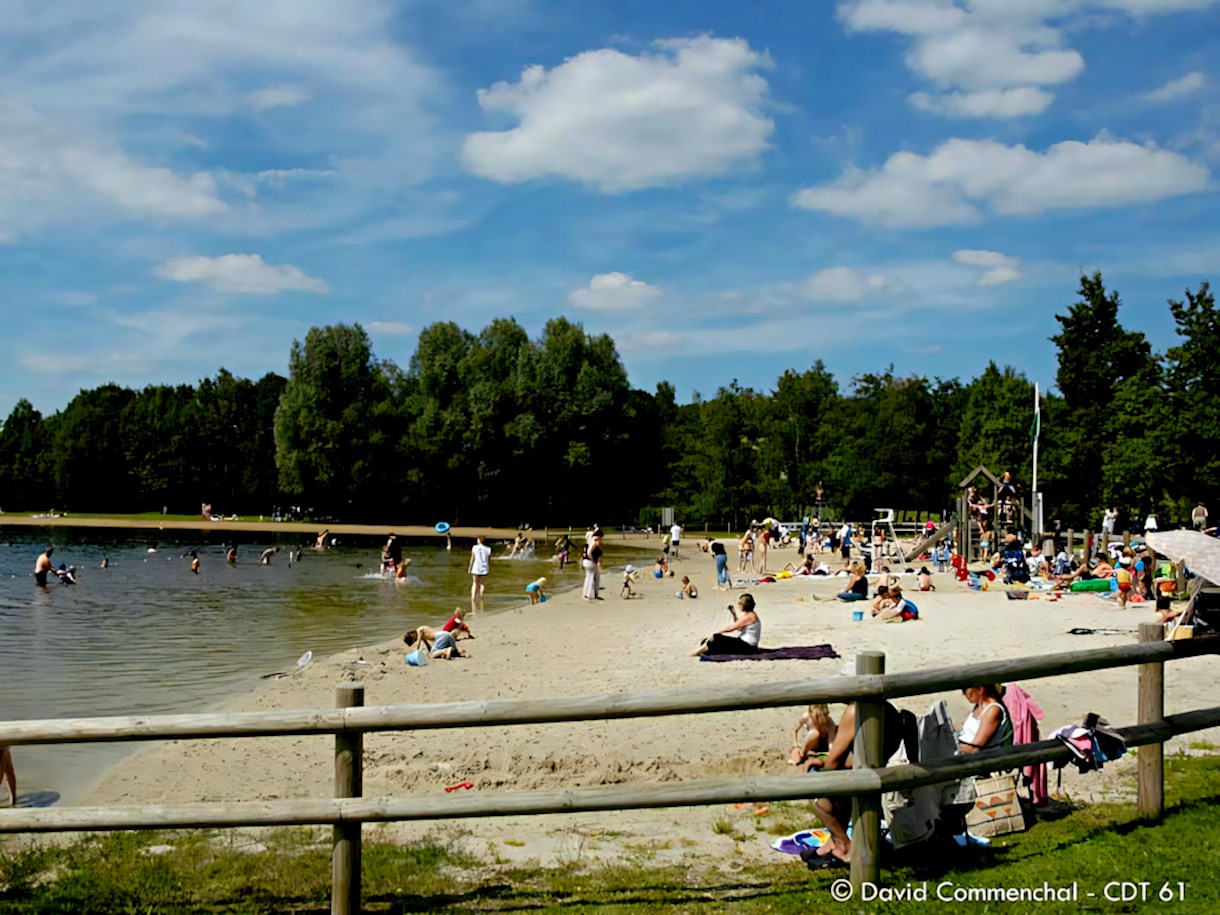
(289,872)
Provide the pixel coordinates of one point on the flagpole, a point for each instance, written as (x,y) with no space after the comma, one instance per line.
(1037,432)
(1036,499)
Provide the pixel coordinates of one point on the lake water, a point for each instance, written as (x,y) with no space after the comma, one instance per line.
(148,636)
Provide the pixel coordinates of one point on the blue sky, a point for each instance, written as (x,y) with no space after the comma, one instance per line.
(728,189)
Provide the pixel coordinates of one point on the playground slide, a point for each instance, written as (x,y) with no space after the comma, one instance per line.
(939,534)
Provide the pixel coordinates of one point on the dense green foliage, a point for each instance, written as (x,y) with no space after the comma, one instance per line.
(496,427)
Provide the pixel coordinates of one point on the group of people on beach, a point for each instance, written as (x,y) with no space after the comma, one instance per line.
(441,643)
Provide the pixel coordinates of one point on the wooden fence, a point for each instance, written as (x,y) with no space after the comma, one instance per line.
(870,688)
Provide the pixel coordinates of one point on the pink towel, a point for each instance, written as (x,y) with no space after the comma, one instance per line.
(1026,713)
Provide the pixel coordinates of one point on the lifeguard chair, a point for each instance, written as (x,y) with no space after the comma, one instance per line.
(889,548)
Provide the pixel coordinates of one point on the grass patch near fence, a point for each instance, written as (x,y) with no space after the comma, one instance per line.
(288,870)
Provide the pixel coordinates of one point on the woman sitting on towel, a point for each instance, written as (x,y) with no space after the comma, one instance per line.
(988,724)
(857,587)
(739,637)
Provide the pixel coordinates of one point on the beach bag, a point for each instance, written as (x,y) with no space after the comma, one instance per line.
(998,809)
(417,658)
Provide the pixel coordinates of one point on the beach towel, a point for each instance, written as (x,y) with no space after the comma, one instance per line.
(802,841)
(793,653)
(1026,713)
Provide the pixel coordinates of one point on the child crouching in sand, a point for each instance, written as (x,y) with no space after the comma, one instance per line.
(820,730)
(535,590)
(688,590)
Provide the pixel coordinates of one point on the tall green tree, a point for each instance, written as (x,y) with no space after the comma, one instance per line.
(882,456)
(1106,373)
(994,425)
(796,412)
(25,477)
(159,446)
(1192,420)
(89,461)
(335,428)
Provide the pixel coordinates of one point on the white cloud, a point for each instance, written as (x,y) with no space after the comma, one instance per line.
(614,292)
(277,97)
(1176,88)
(620,122)
(842,284)
(106,99)
(389,327)
(48,171)
(76,299)
(990,49)
(961,179)
(243,273)
(990,103)
(998,268)
(278,177)
(977,258)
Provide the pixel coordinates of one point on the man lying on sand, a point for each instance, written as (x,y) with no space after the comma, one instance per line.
(439,644)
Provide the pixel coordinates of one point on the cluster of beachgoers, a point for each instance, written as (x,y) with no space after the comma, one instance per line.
(570,639)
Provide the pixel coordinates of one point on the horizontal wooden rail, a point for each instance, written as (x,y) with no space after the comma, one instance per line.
(572,800)
(594,707)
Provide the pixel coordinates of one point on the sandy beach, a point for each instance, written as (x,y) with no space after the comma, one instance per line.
(568,646)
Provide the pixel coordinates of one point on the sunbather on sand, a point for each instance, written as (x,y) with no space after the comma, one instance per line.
(1101,568)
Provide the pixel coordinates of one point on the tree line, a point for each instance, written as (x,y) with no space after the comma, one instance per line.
(496,427)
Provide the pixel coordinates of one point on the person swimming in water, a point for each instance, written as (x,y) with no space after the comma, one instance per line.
(231,555)
(265,558)
(195,562)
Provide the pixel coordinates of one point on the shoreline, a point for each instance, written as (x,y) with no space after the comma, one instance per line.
(298,527)
(568,646)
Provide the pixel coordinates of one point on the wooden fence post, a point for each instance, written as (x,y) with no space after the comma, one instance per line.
(1150,769)
(349,782)
(866,808)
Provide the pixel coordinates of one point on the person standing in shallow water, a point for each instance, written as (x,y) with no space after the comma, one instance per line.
(43,566)
(479,568)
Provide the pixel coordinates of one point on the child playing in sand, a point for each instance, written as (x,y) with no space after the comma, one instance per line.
(925,580)
(628,581)
(820,730)
(688,590)
(661,569)
(535,590)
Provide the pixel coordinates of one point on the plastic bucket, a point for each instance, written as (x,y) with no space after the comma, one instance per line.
(857,615)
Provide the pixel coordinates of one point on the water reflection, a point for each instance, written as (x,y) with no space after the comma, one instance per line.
(146,635)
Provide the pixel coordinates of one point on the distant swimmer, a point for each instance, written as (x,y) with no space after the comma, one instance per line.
(400,572)
(231,555)
(194,562)
(297,553)
(321,541)
(265,559)
(43,567)
(105,563)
